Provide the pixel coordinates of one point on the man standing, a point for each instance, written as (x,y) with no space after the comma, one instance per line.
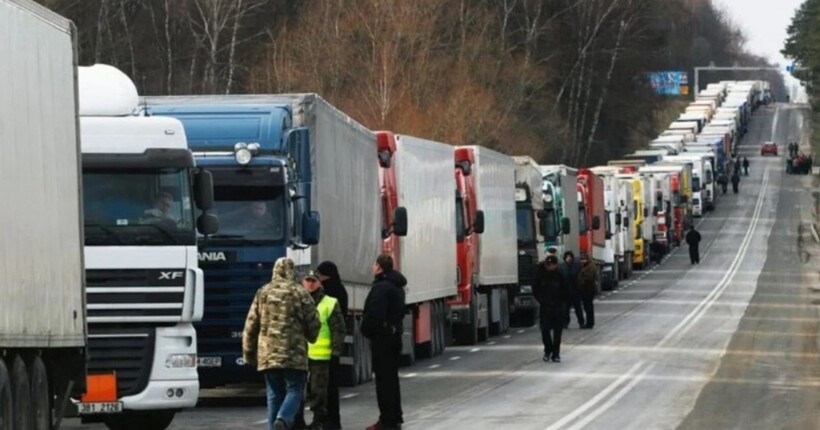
(550,290)
(329,344)
(735,182)
(571,269)
(384,310)
(745,166)
(333,287)
(693,239)
(588,287)
(281,321)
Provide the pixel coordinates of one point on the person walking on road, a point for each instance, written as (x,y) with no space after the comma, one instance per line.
(333,287)
(382,324)
(735,182)
(693,239)
(570,269)
(329,344)
(281,321)
(588,287)
(551,290)
(723,181)
(746,166)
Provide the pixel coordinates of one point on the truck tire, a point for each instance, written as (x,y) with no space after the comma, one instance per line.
(154,420)
(408,357)
(505,311)
(6,403)
(21,394)
(467,334)
(40,395)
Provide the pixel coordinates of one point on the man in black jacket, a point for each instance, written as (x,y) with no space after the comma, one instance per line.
(693,239)
(333,287)
(384,310)
(570,268)
(551,291)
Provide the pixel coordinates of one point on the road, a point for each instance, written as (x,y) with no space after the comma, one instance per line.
(729,343)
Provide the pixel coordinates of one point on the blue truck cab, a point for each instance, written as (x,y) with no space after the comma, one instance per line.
(261,171)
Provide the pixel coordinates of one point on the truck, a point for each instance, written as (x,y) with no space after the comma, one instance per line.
(560,193)
(698,167)
(43,337)
(299,157)
(648,156)
(660,191)
(673,192)
(426,252)
(486,254)
(142,191)
(615,198)
(593,235)
(639,247)
(537,220)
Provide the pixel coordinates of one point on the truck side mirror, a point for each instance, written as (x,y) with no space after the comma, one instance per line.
(565,226)
(596,222)
(479,222)
(543,227)
(204,190)
(400,221)
(646,212)
(311,228)
(207,224)
(618,219)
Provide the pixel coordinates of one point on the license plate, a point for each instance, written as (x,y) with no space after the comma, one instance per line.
(209,362)
(99,408)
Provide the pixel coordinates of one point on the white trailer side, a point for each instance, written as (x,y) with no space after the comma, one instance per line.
(426,184)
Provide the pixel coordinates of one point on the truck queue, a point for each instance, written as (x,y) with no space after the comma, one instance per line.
(290,175)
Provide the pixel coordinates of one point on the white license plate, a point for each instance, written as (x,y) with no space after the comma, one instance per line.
(99,408)
(209,362)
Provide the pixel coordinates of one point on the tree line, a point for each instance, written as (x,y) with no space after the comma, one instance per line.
(562,80)
(803,47)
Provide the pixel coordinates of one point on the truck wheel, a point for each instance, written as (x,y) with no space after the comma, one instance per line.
(349,367)
(21,394)
(6,403)
(505,311)
(526,317)
(156,420)
(467,334)
(40,395)
(408,357)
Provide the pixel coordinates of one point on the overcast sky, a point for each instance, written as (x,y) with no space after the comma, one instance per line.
(764,23)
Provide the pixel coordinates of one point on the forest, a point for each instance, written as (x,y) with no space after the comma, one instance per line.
(564,81)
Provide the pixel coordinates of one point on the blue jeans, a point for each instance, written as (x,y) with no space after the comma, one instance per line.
(284,388)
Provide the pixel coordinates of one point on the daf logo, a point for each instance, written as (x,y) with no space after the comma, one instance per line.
(212,256)
(168,276)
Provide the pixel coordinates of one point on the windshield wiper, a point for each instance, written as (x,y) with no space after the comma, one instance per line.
(107,230)
(238,237)
(164,232)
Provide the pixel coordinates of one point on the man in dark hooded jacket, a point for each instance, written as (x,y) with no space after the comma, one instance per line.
(693,239)
(333,287)
(551,291)
(571,269)
(384,310)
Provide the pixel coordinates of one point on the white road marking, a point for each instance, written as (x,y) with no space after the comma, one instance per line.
(346,396)
(475,350)
(265,421)
(409,375)
(434,366)
(454,358)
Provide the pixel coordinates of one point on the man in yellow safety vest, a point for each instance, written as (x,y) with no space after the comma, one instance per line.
(329,343)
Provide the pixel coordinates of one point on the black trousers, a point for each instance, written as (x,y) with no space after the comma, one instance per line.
(589,309)
(575,303)
(333,415)
(694,254)
(552,325)
(386,352)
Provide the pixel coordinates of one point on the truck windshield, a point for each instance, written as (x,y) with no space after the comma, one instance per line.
(526,229)
(582,220)
(249,214)
(138,207)
(695,184)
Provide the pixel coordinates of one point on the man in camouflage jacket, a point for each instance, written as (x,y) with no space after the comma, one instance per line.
(281,321)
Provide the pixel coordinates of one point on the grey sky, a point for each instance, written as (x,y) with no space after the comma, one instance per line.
(764,23)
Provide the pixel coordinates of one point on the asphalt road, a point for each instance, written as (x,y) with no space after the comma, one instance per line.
(729,343)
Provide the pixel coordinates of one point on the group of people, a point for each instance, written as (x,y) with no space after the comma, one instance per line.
(558,289)
(294,335)
(798,163)
(737,168)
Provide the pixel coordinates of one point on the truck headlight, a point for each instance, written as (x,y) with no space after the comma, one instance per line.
(243,156)
(177,361)
(526,289)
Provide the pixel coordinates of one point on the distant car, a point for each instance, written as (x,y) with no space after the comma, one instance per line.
(768,148)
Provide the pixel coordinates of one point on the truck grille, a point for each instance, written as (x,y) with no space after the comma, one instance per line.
(526,269)
(229,292)
(140,295)
(128,351)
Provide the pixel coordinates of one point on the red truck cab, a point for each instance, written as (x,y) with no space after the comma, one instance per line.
(677,203)
(593,242)
(469,224)
(389,197)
